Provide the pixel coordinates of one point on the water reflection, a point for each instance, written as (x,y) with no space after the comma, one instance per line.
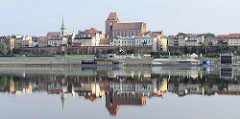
(121,87)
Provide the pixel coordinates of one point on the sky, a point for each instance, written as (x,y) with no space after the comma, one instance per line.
(37,17)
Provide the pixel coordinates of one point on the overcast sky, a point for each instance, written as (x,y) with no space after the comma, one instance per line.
(37,17)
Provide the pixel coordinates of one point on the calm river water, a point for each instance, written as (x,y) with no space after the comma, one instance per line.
(130,92)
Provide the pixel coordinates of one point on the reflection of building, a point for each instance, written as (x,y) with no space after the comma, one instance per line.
(114,101)
(121,87)
(91,91)
(25,88)
(183,89)
(124,93)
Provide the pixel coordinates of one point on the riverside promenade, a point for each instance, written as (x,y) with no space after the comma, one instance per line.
(42,61)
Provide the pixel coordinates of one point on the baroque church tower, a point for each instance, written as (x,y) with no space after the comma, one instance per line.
(63,29)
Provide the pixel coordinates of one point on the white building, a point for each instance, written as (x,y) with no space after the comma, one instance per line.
(88,40)
(154,87)
(57,41)
(23,41)
(144,40)
(90,37)
(233,42)
(185,39)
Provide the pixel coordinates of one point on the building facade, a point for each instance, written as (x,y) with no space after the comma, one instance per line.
(182,39)
(89,37)
(233,42)
(115,28)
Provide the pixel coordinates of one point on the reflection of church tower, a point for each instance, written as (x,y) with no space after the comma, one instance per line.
(63,99)
(63,29)
(112,107)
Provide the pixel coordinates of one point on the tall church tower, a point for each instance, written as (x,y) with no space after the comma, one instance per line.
(63,29)
(112,18)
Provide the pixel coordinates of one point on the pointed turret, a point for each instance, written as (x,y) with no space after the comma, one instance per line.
(63,29)
(63,25)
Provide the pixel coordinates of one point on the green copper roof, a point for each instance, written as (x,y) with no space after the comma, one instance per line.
(63,26)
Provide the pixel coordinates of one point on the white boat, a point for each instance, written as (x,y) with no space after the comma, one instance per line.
(175,61)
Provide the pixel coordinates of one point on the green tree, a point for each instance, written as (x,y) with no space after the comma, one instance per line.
(235,48)
(227,48)
(194,49)
(218,49)
(3,49)
(185,49)
(204,48)
(209,35)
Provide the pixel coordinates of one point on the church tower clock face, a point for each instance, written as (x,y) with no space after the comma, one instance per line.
(111,23)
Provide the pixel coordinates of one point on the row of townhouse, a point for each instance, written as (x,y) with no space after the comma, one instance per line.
(182,39)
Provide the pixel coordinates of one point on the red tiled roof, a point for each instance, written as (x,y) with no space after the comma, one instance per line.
(8,37)
(127,26)
(236,35)
(44,39)
(55,38)
(53,34)
(92,30)
(113,17)
(104,41)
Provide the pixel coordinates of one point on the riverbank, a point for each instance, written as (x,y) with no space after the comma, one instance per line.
(77,61)
(42,61)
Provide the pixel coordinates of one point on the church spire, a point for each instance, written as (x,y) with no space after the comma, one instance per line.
(63,29)
(63,25)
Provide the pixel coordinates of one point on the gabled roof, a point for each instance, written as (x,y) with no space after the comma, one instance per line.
(53,34)
(113,17)
(91,32)
(235,35)
(43,39)
(127,26)
(55,38)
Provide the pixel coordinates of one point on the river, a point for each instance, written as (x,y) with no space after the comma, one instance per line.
(119,92)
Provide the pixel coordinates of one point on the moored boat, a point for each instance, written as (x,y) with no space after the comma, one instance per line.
(167,62)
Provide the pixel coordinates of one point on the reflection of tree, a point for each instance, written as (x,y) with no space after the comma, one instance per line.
(3,82)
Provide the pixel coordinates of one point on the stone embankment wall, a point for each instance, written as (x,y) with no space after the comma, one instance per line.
(41,61)
(138,62)
(66,49)
(76,61)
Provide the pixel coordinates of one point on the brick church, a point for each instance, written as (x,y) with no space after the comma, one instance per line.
(115,28)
